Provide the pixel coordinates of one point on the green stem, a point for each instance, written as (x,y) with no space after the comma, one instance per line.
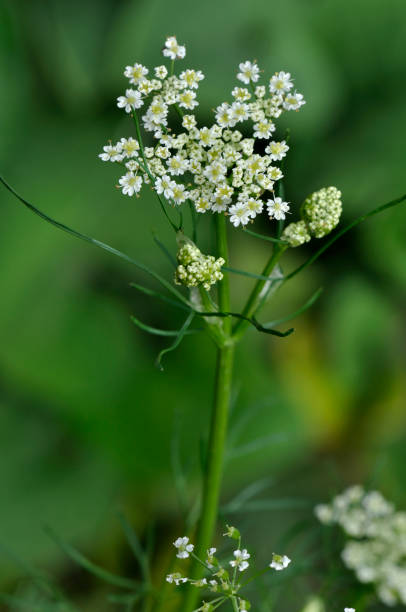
(235,604)
(254,300)
(218,431)
(224,286)
(148,171)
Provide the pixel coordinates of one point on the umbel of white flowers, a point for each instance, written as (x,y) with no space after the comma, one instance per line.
(214,167)
(219,580)
(376,548)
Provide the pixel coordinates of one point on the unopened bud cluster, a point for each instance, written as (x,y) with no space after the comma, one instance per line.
(196,269)
(296,234)
(321,213)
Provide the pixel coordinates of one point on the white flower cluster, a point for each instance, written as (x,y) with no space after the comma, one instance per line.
(196,269)
(214,167)
(320,214)
(219,580)
(377,550)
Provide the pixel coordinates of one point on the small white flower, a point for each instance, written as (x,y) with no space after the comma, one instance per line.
(240,111)
(112,153)
(130,183)
(254,207)
(157,110)
(241,94)
(129,146)
(177,165)
(280,83)
(161,72)
(274,173)
(172,49)
(241,556)
(277,150)
(349,609)
(199,583)
(179,196)
(164,185)
(145,87)
(215,172)
(182,544)
(248,72)
(203,204)
(162,152)
(224,192)
(136,73)
(279,562)
(264,129)
(277,209)
(191,78)
(132,165)
(293,101)
(225,116)
(176,578)
(189,121)
(130,101)
(187,99)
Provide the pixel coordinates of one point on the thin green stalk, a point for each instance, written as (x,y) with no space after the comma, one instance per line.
(218,431)
(224,286)
(255,297)
(148,171)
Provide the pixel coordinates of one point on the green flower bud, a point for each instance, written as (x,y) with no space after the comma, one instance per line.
(296,234)
(196,269)
(321,211)
(232,532)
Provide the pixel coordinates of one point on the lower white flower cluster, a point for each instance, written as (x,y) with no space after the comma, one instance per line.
(377,548)
(196,269)
(221,581)
(320,212)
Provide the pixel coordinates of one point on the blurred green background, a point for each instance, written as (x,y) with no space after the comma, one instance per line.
(88,426)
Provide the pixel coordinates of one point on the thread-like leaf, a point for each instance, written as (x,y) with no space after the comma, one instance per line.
(251,320)
(250,274)
(297,312)
(253,446)
(258,505)
(160,296)
(165,251)
(263,236)
(97,243)
(91,567)
(177,341)
(343,231)
(135,546)
(248,493)
(161,332)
